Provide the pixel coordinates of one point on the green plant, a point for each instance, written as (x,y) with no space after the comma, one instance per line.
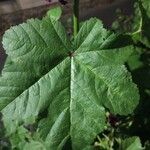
(57,93)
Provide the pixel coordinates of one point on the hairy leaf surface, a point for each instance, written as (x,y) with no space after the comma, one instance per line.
(63,88)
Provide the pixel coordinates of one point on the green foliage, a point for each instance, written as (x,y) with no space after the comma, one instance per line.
(58,93)
(54,13)
(137,25)
(139,66)
(53,90)
(132,143)
(142,20)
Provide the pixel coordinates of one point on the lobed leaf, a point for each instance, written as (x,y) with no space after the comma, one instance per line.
(64,88)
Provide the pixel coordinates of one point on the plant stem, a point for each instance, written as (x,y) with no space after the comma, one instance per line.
(75,17)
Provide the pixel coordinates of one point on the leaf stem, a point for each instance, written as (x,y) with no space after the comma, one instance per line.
(75,17)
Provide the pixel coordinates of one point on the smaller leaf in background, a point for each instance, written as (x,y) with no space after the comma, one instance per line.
(134,61)
(145,30)
(132,143)
(141,23)
(137,25)
(136,21)
(54,13)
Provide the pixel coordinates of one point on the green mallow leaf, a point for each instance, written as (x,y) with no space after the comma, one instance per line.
(61,87)
(132,143)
